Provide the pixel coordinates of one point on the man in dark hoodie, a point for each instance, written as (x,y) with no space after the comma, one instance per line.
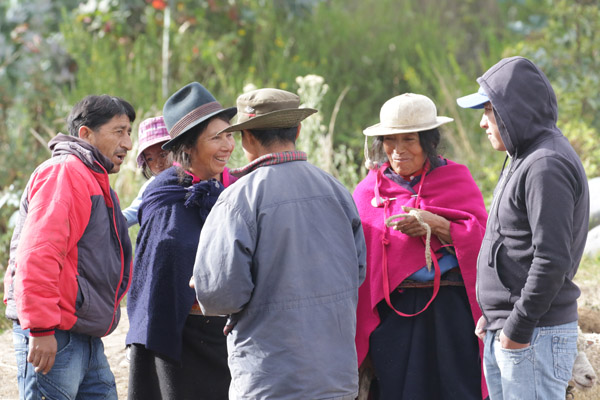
(70,258)
(534,238)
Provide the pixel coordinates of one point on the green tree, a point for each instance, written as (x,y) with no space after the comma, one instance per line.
(54,53)
(567,49)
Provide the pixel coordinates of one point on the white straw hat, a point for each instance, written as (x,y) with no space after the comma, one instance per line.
(407,113)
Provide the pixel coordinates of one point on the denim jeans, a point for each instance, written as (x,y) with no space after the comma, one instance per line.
(80,371)
(540,371)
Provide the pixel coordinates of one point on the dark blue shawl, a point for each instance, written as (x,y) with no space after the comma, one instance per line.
(171,217)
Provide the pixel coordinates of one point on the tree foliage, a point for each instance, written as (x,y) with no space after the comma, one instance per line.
(54,53)
(567,49)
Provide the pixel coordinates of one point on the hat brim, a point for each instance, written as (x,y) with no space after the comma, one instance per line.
(475,101)
(140,154)
(229,112)
(379,130)
(286,118)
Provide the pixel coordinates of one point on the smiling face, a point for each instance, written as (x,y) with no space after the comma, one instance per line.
(211,152)
(113,139)
(157,159)
(488,122)
(404,152)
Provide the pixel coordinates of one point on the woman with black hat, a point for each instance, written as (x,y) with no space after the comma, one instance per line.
(177,353)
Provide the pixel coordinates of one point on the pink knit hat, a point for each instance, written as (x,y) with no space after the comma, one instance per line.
(152,130)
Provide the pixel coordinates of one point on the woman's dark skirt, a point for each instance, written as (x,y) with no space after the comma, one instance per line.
(203,373)
(434,355)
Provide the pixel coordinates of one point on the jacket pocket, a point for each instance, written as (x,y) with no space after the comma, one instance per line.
(498,284)
(510,273)
(495,262)
(82,304)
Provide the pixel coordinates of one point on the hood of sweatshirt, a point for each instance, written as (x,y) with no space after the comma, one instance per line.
(63,144)
(524,103)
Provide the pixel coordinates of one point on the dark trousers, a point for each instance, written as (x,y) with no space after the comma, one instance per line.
(434,355)
(202,373)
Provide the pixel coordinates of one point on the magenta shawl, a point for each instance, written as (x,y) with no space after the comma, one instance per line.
(448,191)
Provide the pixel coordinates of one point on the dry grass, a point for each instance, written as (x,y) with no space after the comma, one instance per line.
(588,280)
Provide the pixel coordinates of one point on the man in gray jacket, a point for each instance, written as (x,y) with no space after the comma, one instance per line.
(283,252)
(534,239)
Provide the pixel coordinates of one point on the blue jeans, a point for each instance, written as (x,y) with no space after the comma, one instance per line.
(540,371)
(80,371)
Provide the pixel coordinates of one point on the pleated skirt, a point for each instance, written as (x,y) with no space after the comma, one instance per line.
(434,355)
(203,373)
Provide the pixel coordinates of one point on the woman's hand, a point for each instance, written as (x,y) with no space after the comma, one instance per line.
(410,226)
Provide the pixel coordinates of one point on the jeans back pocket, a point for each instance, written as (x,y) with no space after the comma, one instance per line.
(564,351)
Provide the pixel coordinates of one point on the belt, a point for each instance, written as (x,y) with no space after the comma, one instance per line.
(454,272)
(420,285)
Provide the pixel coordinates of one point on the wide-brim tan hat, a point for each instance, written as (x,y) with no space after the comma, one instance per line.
(407,113)
(269,109)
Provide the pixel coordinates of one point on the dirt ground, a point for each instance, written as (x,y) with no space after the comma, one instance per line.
(114,347)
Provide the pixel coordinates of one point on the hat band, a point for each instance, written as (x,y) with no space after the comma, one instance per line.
(194,115)
(241,118)
(407,127)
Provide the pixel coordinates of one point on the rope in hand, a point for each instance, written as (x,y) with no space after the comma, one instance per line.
(414,213)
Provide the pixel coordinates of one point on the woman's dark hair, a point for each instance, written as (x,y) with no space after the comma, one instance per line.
(94,111)
(188,141)
(429,141)
(266,137)
(146,171)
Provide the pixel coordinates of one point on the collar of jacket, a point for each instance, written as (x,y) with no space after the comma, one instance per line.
(90,155)
(270,159)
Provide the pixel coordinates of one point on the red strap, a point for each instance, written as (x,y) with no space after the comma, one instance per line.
(422,183)
(386,281)
(385,241)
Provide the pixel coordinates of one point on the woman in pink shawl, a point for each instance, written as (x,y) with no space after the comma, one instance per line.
(417,308)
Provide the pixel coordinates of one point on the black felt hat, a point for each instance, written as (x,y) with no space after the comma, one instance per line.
(188,107)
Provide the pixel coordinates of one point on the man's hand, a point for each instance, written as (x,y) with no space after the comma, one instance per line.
(479,328)
(228,328)
(192,283)
(42,352)
(508,344)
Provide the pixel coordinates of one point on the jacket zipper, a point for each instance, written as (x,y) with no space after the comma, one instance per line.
(493,209)
(114,222)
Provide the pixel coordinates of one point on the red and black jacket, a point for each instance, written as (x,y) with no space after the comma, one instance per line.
(71,255)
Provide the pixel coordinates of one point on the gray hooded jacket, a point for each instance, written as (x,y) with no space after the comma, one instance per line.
(283,250)
(538,221)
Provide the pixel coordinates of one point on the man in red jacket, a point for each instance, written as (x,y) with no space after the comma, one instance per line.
(70,258)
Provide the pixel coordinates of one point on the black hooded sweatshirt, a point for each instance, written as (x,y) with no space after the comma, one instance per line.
(538,221)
